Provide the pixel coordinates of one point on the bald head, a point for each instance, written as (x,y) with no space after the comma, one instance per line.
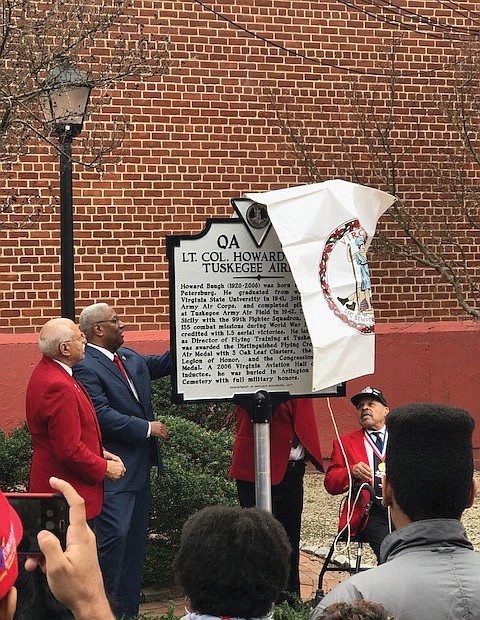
(62,340)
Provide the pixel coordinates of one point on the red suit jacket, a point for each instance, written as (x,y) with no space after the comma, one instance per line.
(336,478)
(65,435)
(296,415)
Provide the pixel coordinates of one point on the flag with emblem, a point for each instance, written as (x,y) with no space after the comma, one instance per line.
(325,230)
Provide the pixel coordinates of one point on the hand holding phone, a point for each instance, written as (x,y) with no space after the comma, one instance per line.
(74,575)
(39,511)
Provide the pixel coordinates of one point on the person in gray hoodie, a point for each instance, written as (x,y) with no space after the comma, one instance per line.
(429,569)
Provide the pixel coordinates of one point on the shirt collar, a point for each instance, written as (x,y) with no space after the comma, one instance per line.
(429,534)
(380,430)
(64,366)
(106,352)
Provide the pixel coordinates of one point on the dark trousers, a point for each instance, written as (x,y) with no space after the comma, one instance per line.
(287,507)
(35,599)
(121,530)
(376,529)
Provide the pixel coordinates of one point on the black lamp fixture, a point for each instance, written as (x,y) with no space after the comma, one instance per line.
(66,92)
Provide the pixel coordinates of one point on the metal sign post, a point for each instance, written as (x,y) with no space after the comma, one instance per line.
(262,416)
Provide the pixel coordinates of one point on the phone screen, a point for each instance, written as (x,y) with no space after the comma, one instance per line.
(39,511)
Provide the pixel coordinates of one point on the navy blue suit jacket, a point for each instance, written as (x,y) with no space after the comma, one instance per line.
(123,419)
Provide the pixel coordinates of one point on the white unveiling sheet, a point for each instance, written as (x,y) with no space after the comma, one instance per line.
(325,230)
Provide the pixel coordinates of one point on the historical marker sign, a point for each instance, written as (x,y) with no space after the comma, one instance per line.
(236,318)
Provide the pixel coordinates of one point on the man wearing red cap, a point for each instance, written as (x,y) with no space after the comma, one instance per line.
(11,533)
(358,459)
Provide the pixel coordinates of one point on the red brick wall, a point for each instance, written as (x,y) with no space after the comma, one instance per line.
(206,132)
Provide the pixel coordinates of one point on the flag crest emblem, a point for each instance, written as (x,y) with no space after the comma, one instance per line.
(344,253)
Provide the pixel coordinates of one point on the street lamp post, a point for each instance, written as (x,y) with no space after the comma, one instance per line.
(67,91)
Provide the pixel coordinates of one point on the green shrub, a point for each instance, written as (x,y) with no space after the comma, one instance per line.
(295,609)
(196,462)
(15,458)
(208,414)
(197,456)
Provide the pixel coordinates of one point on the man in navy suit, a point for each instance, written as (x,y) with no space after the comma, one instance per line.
(119,383)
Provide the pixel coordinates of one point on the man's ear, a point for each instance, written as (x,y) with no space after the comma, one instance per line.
(386,492)
(97,329)
(64,349)
(473,491)
(8,605)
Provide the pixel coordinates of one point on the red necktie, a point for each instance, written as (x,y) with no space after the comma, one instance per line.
(119,365)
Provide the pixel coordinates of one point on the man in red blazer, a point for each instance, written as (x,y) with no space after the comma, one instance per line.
(293,440)
(62,421)
(362,461)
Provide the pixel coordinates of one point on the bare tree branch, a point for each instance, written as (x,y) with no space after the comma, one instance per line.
(437,243)
(33,37)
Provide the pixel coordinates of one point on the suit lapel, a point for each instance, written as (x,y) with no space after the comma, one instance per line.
(82,394)
(357,444)
(132,372)
(129,368)
(88,405)
(107,364)
(110,366)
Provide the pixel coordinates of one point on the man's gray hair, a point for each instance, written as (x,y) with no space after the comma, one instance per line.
(91,315)
(53,333)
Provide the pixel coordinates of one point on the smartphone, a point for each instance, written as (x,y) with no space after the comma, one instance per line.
(39,511)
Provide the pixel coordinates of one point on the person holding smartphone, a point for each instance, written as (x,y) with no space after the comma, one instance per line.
(73,574)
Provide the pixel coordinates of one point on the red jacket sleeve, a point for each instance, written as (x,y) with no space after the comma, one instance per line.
(305,427)
(336,479)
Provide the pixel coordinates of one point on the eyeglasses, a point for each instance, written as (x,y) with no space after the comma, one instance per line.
(115,320)
(81,338)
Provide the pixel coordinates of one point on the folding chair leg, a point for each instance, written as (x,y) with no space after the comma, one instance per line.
(358,562)
(324,568)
